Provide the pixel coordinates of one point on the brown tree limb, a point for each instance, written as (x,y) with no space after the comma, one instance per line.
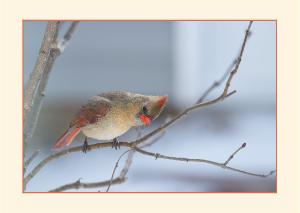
(35,90)
(38,79)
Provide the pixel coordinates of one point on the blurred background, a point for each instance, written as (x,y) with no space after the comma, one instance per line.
(180,59)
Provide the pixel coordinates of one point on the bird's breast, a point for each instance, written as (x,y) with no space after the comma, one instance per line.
(111,126)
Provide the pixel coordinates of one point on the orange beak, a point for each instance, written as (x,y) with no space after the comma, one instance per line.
(146,120)
(162,101)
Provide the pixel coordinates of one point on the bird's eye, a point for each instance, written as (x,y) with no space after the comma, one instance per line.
(145,110)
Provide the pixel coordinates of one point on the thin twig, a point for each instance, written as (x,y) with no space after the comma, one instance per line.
(118,180)
(217,83)
(233,154)
(121,178)
(221,165)
(78,184)
(238,61)
(114,170)
(228,71)
(127,165)
(129,160)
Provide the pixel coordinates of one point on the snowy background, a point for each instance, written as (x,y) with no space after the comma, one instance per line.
(180,59)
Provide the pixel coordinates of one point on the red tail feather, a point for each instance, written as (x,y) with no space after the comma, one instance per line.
(66,138)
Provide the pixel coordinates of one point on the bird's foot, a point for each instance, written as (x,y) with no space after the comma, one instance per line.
(115,143)
(85,146)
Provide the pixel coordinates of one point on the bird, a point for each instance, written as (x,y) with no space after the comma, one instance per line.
(108,115)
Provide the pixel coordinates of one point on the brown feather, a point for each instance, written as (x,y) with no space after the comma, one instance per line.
(90,114)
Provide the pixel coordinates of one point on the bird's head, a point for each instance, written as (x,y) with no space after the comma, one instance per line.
(148,108)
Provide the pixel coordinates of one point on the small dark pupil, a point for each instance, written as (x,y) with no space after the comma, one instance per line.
(145,110)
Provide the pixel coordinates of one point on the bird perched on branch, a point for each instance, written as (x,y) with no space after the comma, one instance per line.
(109,115)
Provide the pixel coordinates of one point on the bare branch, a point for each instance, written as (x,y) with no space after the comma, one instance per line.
(37,82)
(233,154)
(116,166)
(121,178)
(221,165)
(38,79)
(127,165)
(78,184)
(129,145)
(217,83)
(229,69)
(128,162)
(239,59)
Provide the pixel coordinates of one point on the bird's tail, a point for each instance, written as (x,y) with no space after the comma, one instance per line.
(66,138)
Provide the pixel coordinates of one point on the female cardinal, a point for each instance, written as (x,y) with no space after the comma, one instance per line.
(109,115)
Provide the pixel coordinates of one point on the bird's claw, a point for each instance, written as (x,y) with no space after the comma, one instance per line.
(85,146)
(115,143)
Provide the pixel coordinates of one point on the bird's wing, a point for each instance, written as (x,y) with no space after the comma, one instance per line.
(90,113)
